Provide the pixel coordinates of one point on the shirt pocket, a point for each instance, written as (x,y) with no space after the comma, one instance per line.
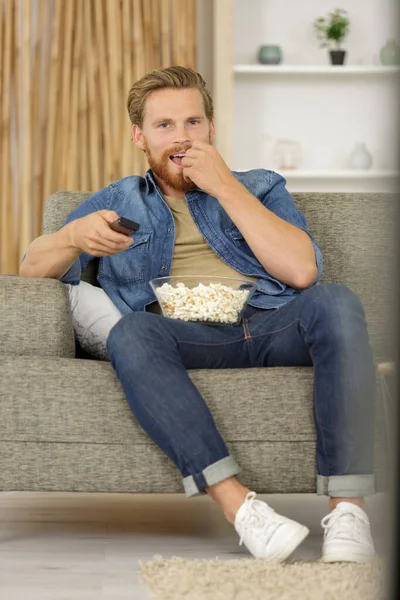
(129,266)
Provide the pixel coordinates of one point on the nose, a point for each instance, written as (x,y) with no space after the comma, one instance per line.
(181,136)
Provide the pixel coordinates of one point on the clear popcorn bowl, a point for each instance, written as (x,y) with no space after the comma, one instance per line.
(201,299)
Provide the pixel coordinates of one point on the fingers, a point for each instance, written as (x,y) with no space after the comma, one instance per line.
(108,215)
(101,249)
(194,151)
(114,245)
(112,237)
(191,155)
(188,161)
(118,246)
(105,239)
(186,176)
(199,145)
(109,235)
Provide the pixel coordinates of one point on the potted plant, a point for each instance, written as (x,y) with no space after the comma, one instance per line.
(332,30)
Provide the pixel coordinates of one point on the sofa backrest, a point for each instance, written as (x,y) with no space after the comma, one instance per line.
(357,236)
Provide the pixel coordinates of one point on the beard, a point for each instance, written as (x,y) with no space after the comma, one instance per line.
(161,168)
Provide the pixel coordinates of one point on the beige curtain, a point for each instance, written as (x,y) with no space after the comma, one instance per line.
(66,67)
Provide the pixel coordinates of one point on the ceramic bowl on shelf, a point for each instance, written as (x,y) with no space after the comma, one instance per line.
(269,55)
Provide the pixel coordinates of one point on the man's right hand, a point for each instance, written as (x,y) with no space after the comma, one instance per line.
(92,234)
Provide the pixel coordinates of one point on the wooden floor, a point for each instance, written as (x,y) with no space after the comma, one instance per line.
(70,546)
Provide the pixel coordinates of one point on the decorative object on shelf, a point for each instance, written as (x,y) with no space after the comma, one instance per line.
(270,55)
(390,53)
(332,30)
(287,154)
(360,158)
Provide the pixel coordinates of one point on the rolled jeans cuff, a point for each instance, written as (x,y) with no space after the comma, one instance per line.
(346,486)
(218,471)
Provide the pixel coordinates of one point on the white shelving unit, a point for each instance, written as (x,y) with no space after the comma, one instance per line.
(334,71)
(339,180)
(333,174)
(238,86)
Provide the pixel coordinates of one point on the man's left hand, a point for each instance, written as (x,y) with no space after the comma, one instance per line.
(204,165)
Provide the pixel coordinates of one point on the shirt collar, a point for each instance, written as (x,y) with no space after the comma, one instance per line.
(149,177)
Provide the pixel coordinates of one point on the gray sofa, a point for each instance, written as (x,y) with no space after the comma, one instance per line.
(66,426)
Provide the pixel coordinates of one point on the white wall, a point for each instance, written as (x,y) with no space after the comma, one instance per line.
(326,114)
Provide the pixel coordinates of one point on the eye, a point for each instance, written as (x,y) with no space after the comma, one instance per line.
(194,121)
(163,125)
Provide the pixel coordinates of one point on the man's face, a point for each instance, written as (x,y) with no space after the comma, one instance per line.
(173,120)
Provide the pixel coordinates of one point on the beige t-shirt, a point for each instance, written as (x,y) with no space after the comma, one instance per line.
(192,255)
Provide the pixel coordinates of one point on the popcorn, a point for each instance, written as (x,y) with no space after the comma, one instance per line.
(214,302)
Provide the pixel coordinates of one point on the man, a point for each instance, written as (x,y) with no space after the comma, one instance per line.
(198,217)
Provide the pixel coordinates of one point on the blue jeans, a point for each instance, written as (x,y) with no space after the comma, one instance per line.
(324,327)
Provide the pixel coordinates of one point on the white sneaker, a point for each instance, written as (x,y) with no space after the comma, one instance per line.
(265,533)
(347,535)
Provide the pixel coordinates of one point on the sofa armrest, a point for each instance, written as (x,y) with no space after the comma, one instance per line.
(35,318)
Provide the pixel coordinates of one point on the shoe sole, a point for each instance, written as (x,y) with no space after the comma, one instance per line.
(300,536)
(358,558)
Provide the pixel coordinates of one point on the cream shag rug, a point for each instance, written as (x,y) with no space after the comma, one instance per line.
(254,579)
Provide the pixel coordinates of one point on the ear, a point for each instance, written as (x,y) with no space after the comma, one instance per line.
(212,130)
(137,136)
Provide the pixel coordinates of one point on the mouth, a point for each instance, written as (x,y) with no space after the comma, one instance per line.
(177,158)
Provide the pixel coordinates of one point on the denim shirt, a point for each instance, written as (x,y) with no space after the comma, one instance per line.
(125,276)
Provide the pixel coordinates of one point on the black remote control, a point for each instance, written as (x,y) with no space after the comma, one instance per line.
(125,226)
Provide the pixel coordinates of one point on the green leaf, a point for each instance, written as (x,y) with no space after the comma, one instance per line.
(333,28)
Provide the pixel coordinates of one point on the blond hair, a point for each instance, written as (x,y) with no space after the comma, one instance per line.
(175,77)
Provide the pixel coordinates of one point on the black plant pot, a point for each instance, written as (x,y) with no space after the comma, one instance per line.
(337,57)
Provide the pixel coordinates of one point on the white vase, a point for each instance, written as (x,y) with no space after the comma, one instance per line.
(287,154)
(360,158)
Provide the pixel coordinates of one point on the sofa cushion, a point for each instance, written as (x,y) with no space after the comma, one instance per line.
(65,425)
(35,317)
(76,400)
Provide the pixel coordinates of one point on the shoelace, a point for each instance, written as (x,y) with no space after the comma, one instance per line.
(254,516)
(335,516)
